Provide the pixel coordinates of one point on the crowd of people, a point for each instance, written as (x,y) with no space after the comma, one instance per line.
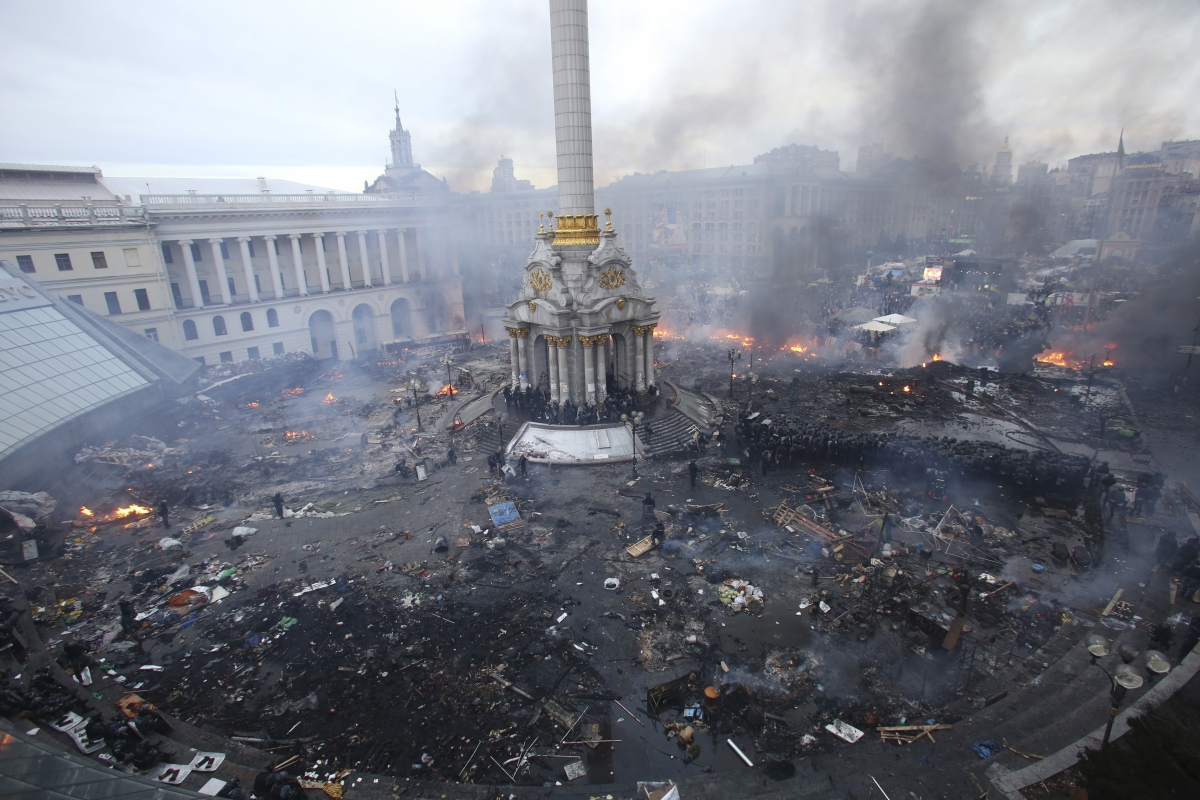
(533,400)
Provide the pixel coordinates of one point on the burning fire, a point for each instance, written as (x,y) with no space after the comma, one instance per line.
(1068,359)
(298,436)
(252,405)
(329,398)
(937,357)
(293,392)
(444,391)
(1056,357)
(131,510)
(794,348)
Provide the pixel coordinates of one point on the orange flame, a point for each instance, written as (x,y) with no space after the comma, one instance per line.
(298,436)
(130,510)
(444,391)
(251,405)
(329,398)
(937,356)
(1056,357)
(87,512)
(293,392)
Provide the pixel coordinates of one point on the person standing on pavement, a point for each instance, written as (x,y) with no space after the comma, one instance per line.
(452,456)
(278,501)
(523,464)
(693,471)
(164,511)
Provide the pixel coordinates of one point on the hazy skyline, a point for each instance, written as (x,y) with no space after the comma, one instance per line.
(304,90)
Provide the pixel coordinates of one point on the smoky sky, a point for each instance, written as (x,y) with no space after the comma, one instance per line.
(303,90)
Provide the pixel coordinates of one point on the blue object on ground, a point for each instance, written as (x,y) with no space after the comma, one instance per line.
(987,748)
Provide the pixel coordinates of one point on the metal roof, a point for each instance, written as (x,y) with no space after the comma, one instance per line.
(136,187)
(58,362)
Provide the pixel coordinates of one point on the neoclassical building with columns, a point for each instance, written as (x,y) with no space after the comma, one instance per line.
(336,275)
(238,269)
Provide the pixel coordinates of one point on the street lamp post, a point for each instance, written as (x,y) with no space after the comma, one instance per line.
(734,357)
(416,405)
(1124,678)
(449,382)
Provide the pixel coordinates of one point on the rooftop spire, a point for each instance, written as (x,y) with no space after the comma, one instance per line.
(397,96)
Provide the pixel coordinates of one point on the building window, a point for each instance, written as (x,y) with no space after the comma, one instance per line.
(151,334)
(227,357)
(63,260)
(166,250)
(98,260)
(197,253)
(219,326)
(272,318)
(247,321)
(132,258)
(25,263)
(114,304)
(77,299)
(189,330)
(143,299)
(257,284)
(224,250)
(252,353)
(277,348)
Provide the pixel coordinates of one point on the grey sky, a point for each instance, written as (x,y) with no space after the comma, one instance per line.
(303,90)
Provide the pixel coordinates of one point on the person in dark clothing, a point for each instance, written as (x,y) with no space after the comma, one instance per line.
(127,614)
(278,501)
(522,464)
(451,456)
(693,471)
(648,506)
(164,511)
(763,459)
(1167,549)
(402,468)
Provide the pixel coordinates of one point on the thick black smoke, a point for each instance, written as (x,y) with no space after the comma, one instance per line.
(1148,329)
(920,68)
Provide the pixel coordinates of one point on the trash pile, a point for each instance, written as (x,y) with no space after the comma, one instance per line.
(740,595)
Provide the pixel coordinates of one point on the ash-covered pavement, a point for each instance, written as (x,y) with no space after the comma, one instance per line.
(925,544)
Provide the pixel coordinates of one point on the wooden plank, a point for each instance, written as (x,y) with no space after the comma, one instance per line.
(1108,609)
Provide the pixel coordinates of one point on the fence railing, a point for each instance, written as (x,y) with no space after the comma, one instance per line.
(266,198)
(63,213)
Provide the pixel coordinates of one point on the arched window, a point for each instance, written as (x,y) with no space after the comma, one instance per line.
(219,326)
(189,330)
(247,321)
(272,318)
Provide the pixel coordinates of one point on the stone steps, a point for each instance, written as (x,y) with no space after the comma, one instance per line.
(671,433)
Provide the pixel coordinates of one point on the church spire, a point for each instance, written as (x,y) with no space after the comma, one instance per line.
(401,142)
(1121,151)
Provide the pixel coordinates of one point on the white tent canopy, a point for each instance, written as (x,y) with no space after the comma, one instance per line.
(894,319)
(875,326)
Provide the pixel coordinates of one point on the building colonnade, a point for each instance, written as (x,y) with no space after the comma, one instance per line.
(419,257)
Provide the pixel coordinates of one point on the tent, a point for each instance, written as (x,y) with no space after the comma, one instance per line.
(854,316)
(875,326)
(894,319)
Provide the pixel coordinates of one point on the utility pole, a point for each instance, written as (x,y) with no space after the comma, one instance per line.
(736,355)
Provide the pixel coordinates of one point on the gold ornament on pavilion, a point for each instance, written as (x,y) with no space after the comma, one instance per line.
(576,230)
(612,278)
(540,281)
(642,330)
(608,228)
(517,333)
(621,304)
